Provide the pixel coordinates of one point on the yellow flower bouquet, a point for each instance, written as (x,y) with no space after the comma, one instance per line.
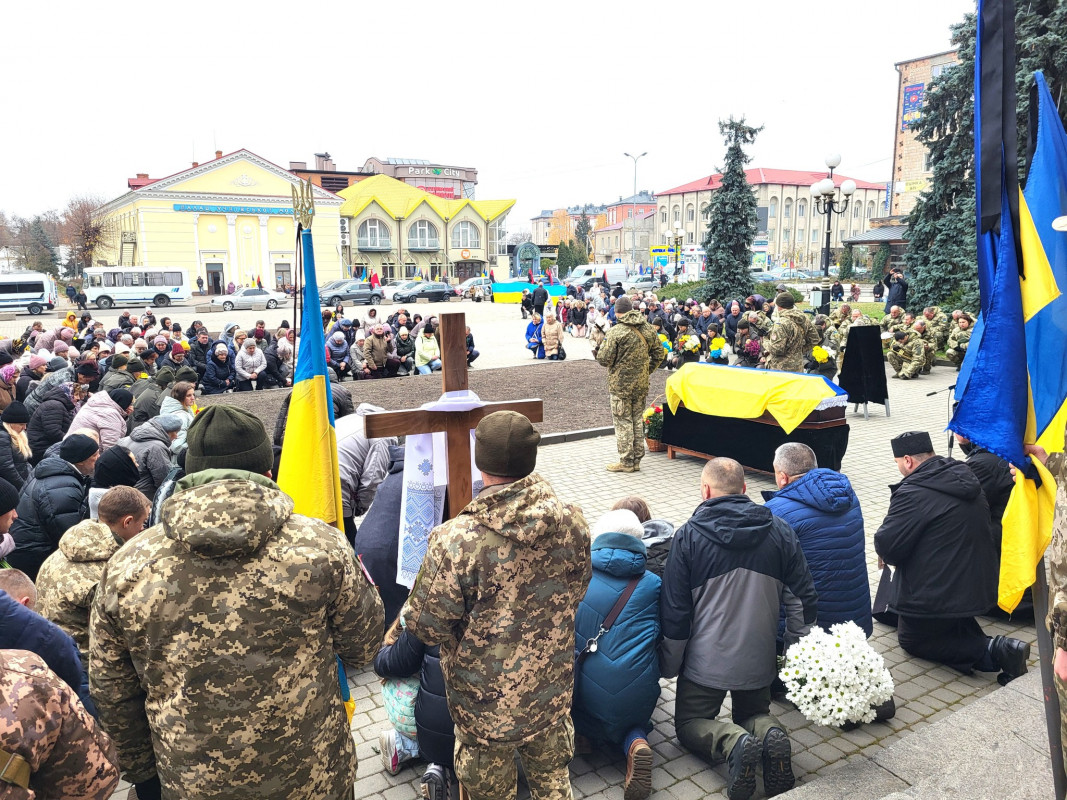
(819,354)
(653,418)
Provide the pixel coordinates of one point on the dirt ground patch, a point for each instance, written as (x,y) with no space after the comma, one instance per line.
(575,393)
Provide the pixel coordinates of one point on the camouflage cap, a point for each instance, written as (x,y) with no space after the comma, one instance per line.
(224,437)
(505,445)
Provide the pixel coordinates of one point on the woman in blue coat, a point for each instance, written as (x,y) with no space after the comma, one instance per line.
(616,687)
(219,377)
(533,336)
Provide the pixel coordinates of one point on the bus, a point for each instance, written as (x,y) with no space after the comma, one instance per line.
(114,286)
(33,291)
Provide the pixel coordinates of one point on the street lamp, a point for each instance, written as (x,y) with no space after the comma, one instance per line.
(825,201)
(633,212)
(674,236)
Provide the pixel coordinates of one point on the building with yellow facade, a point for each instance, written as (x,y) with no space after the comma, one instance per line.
(228,220)
(399,231)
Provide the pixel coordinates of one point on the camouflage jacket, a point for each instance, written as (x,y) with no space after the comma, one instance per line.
(631,351)
(498,590)
(847,324)
(43,721)
(68,578)
(831,339)
(791,341)
(939,326)
(212,642)
(910,348)
(890,324)
(959,339)
(1057,607)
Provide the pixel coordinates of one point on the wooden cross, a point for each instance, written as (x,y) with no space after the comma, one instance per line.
(456,425)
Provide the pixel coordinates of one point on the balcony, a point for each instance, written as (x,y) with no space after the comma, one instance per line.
(374,244)
(424,245)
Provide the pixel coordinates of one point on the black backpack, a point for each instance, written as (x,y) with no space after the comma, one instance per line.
(659,533)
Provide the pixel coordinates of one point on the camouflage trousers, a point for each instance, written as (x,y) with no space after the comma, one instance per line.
(928,357)
(1061,690)
(907,369)
(489,773)
(627,413)
(955,356)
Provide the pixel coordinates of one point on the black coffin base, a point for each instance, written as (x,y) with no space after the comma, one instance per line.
(750,443)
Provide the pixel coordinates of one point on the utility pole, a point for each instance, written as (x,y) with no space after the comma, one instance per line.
(633,212)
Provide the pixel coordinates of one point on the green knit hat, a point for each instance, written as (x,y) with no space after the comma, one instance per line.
(225,437)
(505,445)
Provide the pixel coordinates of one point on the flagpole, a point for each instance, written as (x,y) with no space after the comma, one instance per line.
(1045,656)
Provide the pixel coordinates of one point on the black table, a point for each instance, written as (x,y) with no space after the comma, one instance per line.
(750,442)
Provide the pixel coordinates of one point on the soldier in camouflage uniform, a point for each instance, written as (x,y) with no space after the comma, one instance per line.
(631,351)
(68,578)
(840,314)
(958,341)
(792,337)
(922,331)
(214,635)
(50,746)
(893,321)
(831,343)
(906,355)
(939,325)
(498,591)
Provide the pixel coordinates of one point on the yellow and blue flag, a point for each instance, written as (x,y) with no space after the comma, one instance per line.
(308,470)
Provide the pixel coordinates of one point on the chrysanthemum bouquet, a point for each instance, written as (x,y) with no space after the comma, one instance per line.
(819,354)
(837,677)
(653,417)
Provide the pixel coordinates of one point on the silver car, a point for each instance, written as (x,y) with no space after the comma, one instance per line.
(249,296)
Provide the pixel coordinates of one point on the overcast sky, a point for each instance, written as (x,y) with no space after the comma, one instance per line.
(542,98)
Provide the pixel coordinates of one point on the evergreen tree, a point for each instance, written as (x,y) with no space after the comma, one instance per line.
(565,260)
(39,248)
(941,256)
(845,267)
(731,218)
(582,233)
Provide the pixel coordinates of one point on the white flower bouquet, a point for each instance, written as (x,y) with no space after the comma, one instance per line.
(836,678)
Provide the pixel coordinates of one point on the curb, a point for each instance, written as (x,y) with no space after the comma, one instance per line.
(575,436)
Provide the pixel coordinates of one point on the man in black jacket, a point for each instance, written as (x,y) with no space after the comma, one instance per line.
(540,297)
(199,353)
(722,588)
(937,536)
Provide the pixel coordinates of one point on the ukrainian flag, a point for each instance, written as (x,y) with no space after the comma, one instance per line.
(308,470)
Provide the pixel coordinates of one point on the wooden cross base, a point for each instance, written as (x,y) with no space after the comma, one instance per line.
(456,425)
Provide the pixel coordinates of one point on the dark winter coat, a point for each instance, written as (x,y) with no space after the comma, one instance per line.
(54,499)
(898,292)
(729,327)
(146,405)
(540,296)
(405,349)
(48,382)
(436,733)
(824,513)
(14,467)
(117,379)
(616,688)
(150,445)
(50,422)
(273,373)
(199,354)
(722,588)
(994,474)
(24,384)
(220,375)
(937,535)
(378,536)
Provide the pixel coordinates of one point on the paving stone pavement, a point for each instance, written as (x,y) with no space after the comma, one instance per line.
(925,692)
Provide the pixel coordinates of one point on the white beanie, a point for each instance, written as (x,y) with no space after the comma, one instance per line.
(621,520)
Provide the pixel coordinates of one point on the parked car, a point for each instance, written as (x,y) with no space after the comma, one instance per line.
(355,292)
(390,288)
(431,291)
(326,287)
(245,298)
(641,283)
(466,288)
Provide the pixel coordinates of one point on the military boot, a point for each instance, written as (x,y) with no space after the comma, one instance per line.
(619,466)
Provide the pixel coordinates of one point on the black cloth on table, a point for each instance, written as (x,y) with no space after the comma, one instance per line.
(863,368)
(750,443)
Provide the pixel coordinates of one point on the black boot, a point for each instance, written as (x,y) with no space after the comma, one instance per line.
(1010,655)
(742,763)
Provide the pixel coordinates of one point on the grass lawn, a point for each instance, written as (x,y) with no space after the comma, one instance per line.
(873,310)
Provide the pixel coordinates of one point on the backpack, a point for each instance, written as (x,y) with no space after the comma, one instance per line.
(658,544)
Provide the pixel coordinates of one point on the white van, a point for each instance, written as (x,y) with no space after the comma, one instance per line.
(33,291)
(587,273)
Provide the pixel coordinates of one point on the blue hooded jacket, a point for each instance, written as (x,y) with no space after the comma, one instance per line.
(825,514)
(616,688)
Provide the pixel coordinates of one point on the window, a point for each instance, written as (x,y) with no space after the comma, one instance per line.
(677,211)
(422,235)
(842,235)
(802,208)
(928,164)
(870,209)
(373,234)
(772,212)
(787,208)
(663,215)
(94,280)
(153,279)
(857,209)
(690,213)
(770,234)
(800,235)
(785,236)
(498,237)
(172,279)
(134,278)
(465,234)
(937,70)
(689,238)
(814,235)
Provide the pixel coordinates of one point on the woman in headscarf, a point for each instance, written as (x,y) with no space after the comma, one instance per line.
(9,375)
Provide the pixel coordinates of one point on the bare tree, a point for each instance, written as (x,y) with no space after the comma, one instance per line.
(520,237)
(88,233)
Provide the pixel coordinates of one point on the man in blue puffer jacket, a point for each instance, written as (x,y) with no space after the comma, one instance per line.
(824,512)
(617,685)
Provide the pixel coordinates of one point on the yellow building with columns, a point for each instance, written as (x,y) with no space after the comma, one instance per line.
(229,220)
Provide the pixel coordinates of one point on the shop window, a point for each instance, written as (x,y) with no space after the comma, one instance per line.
(466,235)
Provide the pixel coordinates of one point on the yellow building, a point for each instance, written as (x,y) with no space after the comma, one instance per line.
(229,220)
(400,231)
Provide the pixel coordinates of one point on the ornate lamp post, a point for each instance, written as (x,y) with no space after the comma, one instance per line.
(825,201)
(674,236)
(633,212)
